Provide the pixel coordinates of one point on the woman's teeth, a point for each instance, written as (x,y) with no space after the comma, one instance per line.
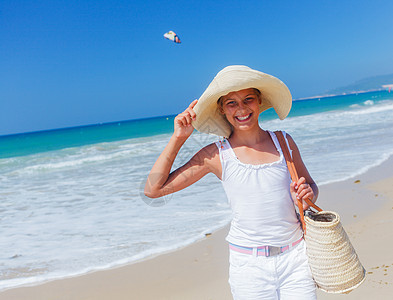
(243,118)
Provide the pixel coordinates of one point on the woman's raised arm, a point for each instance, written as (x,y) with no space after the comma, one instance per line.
(160,181)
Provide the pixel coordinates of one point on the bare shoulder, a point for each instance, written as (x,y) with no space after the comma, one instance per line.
(289,137)
(207,153)
(291,142)
(210,150)
(209,157)
(297,159)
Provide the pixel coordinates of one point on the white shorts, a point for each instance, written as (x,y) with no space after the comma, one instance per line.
(284,276)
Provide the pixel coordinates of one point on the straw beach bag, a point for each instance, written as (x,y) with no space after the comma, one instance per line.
(333,261)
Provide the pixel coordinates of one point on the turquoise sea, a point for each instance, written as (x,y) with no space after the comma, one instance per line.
(71,200)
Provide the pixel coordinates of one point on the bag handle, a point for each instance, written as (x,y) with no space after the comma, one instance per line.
(294,176)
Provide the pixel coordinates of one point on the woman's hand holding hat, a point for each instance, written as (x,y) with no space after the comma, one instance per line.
(183,126)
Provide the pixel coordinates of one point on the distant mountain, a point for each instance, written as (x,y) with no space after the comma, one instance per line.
(368,84)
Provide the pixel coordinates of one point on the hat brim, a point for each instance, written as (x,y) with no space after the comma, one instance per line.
(274,93)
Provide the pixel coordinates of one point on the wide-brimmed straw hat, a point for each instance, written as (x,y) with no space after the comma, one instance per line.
(274,93)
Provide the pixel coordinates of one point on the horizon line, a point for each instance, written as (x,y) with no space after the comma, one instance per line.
(170,116)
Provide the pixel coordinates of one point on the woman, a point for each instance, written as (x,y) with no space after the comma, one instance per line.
(267,251)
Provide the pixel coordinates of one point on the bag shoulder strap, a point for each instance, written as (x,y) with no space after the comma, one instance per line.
(294,175)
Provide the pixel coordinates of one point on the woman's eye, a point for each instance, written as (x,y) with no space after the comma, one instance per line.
(231,103)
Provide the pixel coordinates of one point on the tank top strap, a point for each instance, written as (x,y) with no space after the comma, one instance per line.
(225,150)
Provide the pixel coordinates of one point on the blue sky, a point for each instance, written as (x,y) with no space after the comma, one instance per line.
(70,63)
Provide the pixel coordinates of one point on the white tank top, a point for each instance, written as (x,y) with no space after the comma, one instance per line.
(263,212)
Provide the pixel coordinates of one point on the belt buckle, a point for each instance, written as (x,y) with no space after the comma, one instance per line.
(272,251)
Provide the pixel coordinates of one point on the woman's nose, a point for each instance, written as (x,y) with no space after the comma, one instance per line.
(241,105)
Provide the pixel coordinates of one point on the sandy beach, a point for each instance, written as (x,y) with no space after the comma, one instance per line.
(200,271)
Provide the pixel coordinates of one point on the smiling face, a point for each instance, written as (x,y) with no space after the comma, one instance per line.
(241,108)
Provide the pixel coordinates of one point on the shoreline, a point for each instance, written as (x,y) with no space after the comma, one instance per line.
(200,270)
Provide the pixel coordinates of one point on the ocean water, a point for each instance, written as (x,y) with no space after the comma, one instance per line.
(71,200)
